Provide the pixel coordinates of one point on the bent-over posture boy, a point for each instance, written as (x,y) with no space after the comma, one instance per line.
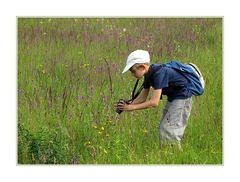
(164,81)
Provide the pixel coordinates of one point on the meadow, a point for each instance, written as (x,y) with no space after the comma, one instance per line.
(69,77)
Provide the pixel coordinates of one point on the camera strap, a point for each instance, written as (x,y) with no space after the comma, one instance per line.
(134,96)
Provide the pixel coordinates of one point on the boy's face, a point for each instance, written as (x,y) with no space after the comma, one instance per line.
(138,71)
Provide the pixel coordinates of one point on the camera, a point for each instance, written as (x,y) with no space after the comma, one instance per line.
(134,96)
(119,111)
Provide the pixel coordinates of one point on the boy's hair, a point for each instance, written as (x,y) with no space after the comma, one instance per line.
(138,64)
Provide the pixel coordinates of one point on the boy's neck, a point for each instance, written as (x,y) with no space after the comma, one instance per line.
(148,68)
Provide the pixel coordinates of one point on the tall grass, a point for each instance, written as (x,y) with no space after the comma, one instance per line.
(69,77)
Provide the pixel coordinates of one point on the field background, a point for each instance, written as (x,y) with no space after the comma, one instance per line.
(69,77)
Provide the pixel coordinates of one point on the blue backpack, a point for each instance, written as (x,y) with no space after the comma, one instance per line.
(192,74)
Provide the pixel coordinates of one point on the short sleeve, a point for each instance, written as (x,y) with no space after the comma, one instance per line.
(160,78)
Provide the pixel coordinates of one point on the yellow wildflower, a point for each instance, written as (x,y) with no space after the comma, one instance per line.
(94,126)
(87,143)
(145,130)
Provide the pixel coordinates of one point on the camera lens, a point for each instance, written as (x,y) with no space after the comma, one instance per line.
(119,111)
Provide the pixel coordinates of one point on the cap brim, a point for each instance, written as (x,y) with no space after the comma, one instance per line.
(127,67)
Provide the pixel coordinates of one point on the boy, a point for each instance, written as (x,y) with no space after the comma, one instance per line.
(166,81)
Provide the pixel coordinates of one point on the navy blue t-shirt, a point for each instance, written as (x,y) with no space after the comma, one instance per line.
(172,83)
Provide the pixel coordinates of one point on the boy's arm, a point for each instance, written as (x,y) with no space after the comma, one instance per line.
(142,97)
(153,102)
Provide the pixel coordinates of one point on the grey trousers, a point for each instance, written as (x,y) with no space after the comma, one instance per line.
(174,120)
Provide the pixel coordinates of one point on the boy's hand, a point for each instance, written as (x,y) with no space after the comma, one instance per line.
(124,106)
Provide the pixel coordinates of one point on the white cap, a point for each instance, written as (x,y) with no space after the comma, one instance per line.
(138,56)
